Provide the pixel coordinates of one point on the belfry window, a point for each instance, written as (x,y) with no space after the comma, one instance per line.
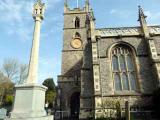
(123,69)
(77,35)
(77,22)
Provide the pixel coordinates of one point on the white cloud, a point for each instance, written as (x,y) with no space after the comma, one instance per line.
(148,14)
(51,62)
(51,3)
(156,16)
(48,68)
(112,11)
(16,18)
(120,13)
(45,61)
(16,15)
(153,18)
(13,11)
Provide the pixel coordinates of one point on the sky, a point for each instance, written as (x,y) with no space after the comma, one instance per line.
(17,24)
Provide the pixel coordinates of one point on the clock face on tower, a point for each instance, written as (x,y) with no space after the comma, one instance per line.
(76,43)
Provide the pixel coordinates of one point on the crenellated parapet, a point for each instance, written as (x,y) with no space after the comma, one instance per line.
(68,10)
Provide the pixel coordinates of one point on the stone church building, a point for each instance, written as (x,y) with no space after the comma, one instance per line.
(106,64)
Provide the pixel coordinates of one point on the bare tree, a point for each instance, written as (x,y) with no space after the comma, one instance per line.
(14,70)
(23,73)
(10,68)
(3,78)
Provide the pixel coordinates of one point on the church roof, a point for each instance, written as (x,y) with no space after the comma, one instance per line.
(126,31)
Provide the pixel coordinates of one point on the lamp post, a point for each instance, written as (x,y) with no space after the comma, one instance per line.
(59,96)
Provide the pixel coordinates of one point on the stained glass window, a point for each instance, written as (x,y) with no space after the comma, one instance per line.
(125,82)
(129,63)
(122,62)
(133,81)
(115,63)
(123,68)
(117,82)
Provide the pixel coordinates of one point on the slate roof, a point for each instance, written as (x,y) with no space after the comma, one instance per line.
(126,31)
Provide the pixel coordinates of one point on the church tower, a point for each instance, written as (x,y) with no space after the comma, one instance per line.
(75,81)
(105,68)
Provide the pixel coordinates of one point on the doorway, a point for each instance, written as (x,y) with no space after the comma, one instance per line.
(75,105)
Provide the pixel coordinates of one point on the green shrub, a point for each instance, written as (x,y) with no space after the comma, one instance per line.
(9,100)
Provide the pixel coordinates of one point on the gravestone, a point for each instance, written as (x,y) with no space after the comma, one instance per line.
(3,113)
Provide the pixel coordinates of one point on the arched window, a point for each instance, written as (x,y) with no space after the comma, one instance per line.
(77,22)
(123,68)
(77,35)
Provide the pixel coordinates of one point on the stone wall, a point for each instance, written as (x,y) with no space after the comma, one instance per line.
(143,64)
(68,86)
(157,43)
(70,17)
(139,44)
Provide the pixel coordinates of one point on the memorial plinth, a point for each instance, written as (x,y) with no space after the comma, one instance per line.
(29,103)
